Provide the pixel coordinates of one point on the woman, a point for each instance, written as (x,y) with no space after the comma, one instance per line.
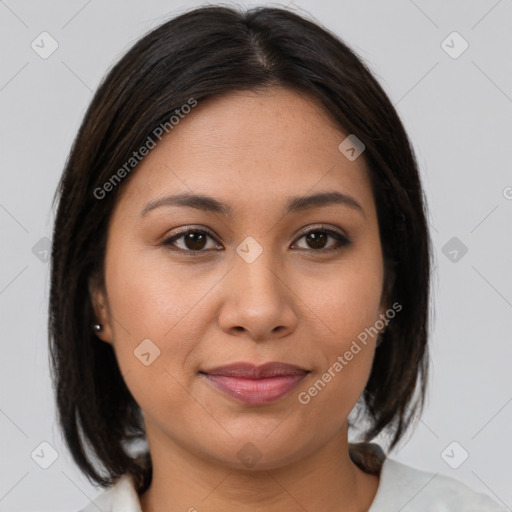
(241,260)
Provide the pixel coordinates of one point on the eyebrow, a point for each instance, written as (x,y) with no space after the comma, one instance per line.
(293,204)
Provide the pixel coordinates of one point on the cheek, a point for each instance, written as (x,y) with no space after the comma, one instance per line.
(347,300)
(348,306)
(154,332)
(147,295)
(151,309)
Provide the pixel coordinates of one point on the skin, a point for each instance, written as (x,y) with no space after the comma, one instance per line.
(293,303)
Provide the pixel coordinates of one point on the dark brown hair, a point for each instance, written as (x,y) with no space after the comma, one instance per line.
(200,54)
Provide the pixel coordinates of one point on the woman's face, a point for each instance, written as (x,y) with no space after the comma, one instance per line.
(258,287)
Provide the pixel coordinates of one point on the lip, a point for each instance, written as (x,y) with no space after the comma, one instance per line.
(253,384)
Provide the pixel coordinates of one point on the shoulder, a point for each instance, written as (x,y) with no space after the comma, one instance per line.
(406,488)
(122,497)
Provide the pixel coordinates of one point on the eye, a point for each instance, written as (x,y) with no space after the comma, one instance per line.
(194,240)
(317,238)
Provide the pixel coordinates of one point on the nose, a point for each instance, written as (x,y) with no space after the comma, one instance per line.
(257,300)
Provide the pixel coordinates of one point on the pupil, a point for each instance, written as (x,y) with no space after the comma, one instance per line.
(316,240)
(194,244)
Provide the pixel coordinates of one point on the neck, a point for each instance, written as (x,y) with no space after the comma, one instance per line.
(326,480)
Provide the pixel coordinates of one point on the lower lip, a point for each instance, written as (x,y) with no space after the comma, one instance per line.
(255,391)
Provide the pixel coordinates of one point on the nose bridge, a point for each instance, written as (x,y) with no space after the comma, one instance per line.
(256,299)
(256,269)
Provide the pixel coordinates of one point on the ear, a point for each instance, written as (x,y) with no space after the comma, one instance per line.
(99,303)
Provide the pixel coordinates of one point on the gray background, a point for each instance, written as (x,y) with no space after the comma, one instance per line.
(458,113)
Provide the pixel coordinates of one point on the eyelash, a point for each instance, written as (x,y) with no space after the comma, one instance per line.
(342,241)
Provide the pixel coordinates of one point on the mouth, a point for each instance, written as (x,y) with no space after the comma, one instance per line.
(255,385)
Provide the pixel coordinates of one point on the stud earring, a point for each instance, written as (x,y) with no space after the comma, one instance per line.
(97,327)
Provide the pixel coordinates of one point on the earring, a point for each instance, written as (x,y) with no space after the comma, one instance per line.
(97,327)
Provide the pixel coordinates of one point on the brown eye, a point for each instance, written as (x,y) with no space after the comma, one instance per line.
(195,241)
(192,240)
(317,239)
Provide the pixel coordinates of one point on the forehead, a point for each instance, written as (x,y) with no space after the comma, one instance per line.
(250,149)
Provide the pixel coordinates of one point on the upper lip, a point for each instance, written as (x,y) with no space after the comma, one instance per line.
(252,371)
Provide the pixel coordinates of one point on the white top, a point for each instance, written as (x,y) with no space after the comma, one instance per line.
(401,487)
